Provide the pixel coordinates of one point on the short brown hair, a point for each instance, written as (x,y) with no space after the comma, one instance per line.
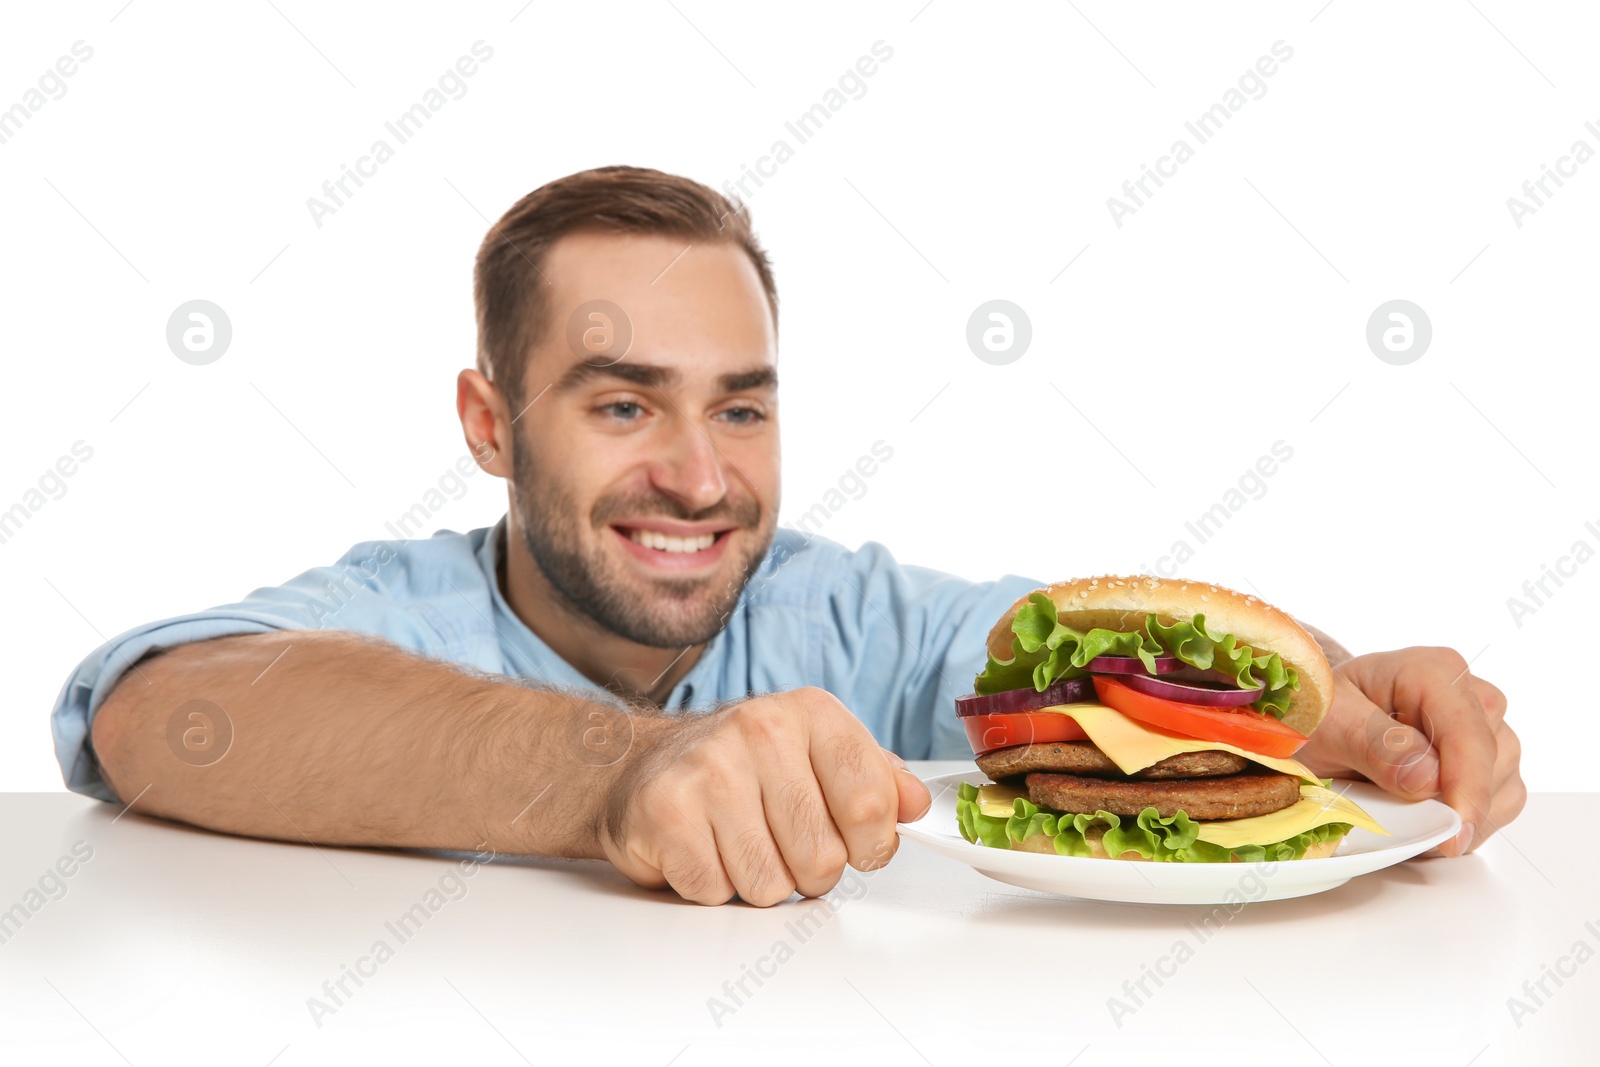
(509,286)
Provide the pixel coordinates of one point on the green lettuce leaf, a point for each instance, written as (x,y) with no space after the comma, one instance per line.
(1173,839)
(1192,643)
(1045,651)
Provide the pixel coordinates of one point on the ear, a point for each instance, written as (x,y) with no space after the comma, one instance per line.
(485,422)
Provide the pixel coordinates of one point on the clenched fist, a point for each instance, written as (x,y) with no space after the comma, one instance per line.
(762,799)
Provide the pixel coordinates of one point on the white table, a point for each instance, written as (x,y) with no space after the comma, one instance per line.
(171,945)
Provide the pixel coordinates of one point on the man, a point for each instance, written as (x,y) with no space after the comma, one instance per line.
(523,687)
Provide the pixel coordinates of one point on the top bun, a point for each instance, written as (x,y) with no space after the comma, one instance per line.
(1119,602)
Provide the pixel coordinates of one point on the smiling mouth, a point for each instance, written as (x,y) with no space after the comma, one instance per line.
(674,545)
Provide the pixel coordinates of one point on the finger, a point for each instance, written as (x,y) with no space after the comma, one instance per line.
(1490,696)
(1510,794)
(628,852)
(1460,730)
(797,814)
(750,855)
(859,787)
(1405,757)
(915,800)
(776,732)
(1508,755)
(634,865)
(694,870)
(678,842)
(1391,754)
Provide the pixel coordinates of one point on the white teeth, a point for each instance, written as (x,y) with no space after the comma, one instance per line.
(663,543)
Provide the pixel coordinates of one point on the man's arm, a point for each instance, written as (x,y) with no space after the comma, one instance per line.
(347,740)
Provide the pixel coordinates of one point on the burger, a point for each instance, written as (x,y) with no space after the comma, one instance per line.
(1142,718)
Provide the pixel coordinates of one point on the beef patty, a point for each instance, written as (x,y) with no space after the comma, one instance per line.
(1234,796)
(1082,757)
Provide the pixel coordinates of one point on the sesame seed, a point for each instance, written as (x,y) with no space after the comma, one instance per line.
(1084,594)
(1205,598)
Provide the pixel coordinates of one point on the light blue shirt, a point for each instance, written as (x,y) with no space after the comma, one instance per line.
(897,644)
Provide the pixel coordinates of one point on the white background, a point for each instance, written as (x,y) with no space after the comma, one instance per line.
(1226,314)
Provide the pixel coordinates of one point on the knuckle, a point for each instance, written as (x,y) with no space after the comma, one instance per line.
(823,882)
(677,794)
(704,778)
(721,785)
(768,898)
(768,893)
(694,878)
(1519,797)
(830,859)
(818,703)
(820,870)
(812,694)
(1448,658)
(868,808)
(1510,744)
(880,856)
(763,724)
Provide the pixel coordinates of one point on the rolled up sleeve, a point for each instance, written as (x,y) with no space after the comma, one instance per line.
(352,594)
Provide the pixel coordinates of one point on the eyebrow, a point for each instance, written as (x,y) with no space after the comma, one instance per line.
(750,380)
(650,376)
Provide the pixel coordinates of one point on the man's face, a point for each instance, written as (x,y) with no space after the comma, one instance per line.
(646,482)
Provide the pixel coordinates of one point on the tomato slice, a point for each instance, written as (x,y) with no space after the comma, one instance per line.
(988,732)
(1253,731)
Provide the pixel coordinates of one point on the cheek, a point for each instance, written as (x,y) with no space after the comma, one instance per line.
(586,471)
(757,458)
(757,462)
(561,454)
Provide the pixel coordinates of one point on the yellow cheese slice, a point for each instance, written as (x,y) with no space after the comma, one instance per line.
(1316,807)
(995,800)
(1132,747)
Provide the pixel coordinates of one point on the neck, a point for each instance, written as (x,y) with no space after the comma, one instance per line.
(636,672)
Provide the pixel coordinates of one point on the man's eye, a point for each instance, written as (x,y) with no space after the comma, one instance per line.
(624,410)
(742,416)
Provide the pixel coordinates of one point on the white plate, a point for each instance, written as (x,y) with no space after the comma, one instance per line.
(1415,826)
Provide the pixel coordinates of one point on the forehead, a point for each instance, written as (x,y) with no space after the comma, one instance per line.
(696,306)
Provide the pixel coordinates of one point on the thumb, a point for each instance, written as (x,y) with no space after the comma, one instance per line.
(914,797)
(1397,757)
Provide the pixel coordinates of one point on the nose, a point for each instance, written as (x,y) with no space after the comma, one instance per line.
(689,468)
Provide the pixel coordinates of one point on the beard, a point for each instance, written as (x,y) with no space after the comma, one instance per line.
(659,613)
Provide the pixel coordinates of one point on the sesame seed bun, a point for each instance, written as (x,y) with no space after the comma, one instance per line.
(1118,602)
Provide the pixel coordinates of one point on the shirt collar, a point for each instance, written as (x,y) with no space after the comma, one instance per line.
(528,656)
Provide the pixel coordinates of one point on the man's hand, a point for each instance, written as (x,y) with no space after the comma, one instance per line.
(766,797)
(1418,724)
